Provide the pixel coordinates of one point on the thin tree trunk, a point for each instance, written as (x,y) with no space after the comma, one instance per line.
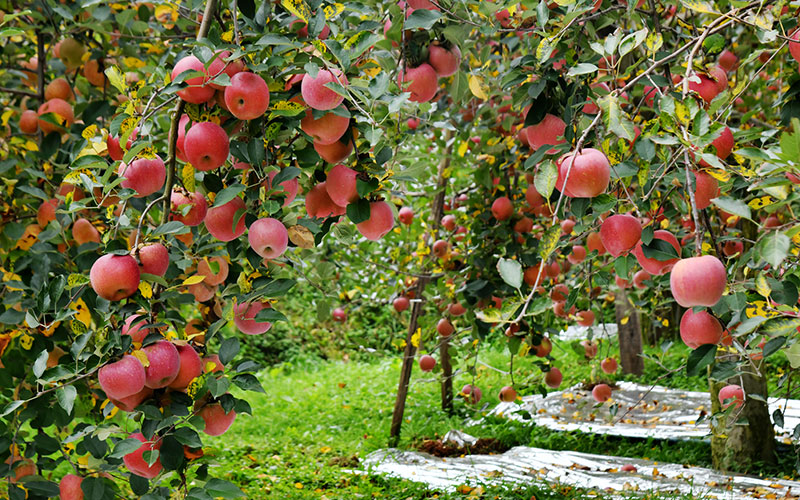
(629,333)
(447,376)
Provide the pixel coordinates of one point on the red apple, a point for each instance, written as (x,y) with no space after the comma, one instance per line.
(401,304)
(609,365)
(699,329)
(326,129)
(84,232)
(244,318)
(319,203)
(507,394)
(444,61)
(194,202)
(654,266)
(405,215)
(135,461)
(154,259)
(217,421)
(733,394)
(341,185)
(549,131)
(380,222)
(165,363)
(427,363)
(247,97)
(601,393)
(423,82)
(317,95)
(198,91)
(589,174)
(115,277)
(553,378)
(220,220)
(122,378)
(206,146)
(698,281)
(502,208)
(445,328)
(268,237)
(191,366)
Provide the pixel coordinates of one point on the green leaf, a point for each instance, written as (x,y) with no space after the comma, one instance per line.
(781,326)
(276,288)
(582,69)
(228,350)
(700,358)
(171,227)
(225,489)
(40,365)
(793,355)
(124,447)
(66,397)
(511,272)
(188,436)
(422,18)
(733,206)
(545,179)
(616,120)
(772,346)
(248,382)
(773,248)
(660,250)
(227,195)
(358,211)
(270,315)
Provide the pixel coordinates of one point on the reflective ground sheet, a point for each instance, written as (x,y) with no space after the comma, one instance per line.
(599,473)
(634,411)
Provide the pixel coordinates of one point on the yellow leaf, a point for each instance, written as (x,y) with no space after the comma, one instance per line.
(142,357)
(762,202)
(332,11)
(759,308)
(462,148)
(89,132)
(653,42)
(77,327)
(699,6)
(7,114)
(187,177)
(26,341)
(720,175)
(624,321)
(416,337)
(545,49)
(477,87)
(116,78)
(301,236)
(193,280)
(74,177)
(549,242)
(146,290)
(762,287)
(83,315)
(298,8)
(682,112)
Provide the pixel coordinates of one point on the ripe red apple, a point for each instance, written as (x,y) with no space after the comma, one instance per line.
(732,248)
(287,188)
(319,203)
(29,122)
(165,363)
(559,293)
(212,278)
(135,461)
(427,363)
(268,237)
(706,188)
(136,331)
(143,175)
(198,91)
(401,303)
(405,215)
(595,242)
(326,129)
(115,150)
(59,88)
(191,366)
(507,394)
(115,277)
(441,248)
(609,365)
(553,378)
(723,145)
(154,259)
(589,348)
(639,279)
(622,283)
(317,95)
(380,222)
(206,146)
(247,97)
(706,87)
(196,204)
(699,329)
(733,394)
(566,226)
(502,208)
(69,487)
(217,421)
(601,393)
(336,152)
(578,254)
(445,327)
(339,315)
(183,127)
(548,131)
(472,393)
(219,220)
(698,281)
(524,225)
(129,404)
(728,60)
(585,318)
(84,232)
(444,61)
(456,309)
(220,65)
(794,47)
(244,318)
(449,222)
(341,185)
(122,378)
(628,468)
(303,32)
(423,82)
(652,265)
(62,113)
(412,123)
(212,364)
(588,177)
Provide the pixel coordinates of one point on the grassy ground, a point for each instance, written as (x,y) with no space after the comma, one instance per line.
(318,419)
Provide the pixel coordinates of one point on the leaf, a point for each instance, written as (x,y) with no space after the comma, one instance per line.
(422,18)
(653,42)
(660,250)
(171,227)
(511,272)
(545,49)
(549,242)
(228,350)
(221,488)
(40,365)
(66,397)
(773,345)
(298,8)
(187,177)
(781,326)
(248,382)
(227,195)
(700,358)
(193,280)
(631,41)
(793,355)
(301,236)
(477,86)
(358,211)
(616,120)
(124,447)
(270,315)
(733,206)
(582,69)
(545,179)
(773,248)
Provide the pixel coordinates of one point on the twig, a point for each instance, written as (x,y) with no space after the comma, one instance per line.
(26,93)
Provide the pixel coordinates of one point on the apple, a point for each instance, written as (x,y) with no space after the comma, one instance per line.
(317,95)
(733,394)
(601,393)
(444,61)
(136,331)
(319,203)
(191,366)
(732,248)
(412,123)
(628,468)
(699,329)
(472,393)
(380,222)
(268,237)
(423,84)
(94,72)
(115,150)
(524,225)
(547,132)
(401,304)
(21,468)
(706,87)
(154,259)
(336,152)
(288,188)
(244,317)
(422,4)
(728,60)
(216,419)
(84,232)
(622,283)
(212,278)
(559,293)
(182,129)
(129,403)
(220,220)
(219,64)
(62,113)
(143,175)
(69,487)
(594,242)
(212,364)
(567,226)
(59,88)
(247,97)
(441,248)
(202,292)
(578,254)
(609,365)
(445,327)
(533,197)
(620,233)
(197,207)
(698,281)
(639,279)
(589,174)
(165,363)
(553,378)
(456,309)
(206,146)
(326,129)
(654,266)
(502,208)
(339,315)
(449,222)
(585,318)
(589,348)
(135,461)
(303,32)
(341,185)
(706,187)
(115,277)
(122,378)
(29,122)
(197,91)
(507,394)
(427,363)
(405,215)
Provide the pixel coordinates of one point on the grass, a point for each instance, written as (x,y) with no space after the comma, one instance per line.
(318,419)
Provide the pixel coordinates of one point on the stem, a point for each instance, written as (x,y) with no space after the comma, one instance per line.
(26,93)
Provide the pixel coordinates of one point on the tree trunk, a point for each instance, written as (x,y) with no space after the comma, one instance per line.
(629,334)
(735,447)
(447,375)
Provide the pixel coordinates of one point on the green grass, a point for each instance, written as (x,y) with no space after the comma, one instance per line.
(319,418)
